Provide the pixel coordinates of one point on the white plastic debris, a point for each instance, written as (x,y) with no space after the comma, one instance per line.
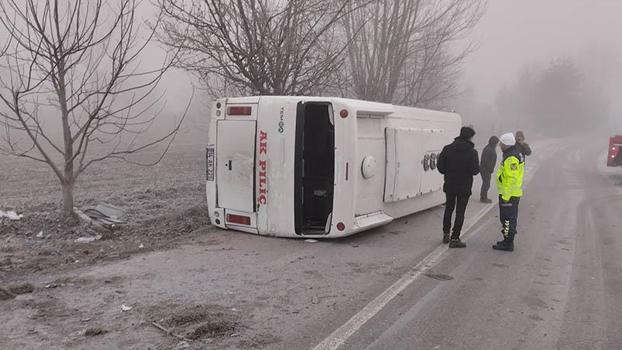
(40,234)
(182,345)
(141,246)
(88,239)
(11,215)
(125,308)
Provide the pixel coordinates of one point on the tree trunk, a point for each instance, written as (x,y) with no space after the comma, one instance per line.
(69,178)
(68,214)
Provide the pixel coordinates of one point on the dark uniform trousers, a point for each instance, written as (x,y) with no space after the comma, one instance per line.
(509,217)
(458,203)
(485,185)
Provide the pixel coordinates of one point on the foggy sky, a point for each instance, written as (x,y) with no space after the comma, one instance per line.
(513,33)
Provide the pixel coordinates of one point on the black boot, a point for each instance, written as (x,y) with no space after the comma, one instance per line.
(456,243)
(445,237)
(504,245)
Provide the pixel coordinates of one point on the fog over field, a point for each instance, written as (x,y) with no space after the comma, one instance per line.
(511,38)
(514,33)
(515,36)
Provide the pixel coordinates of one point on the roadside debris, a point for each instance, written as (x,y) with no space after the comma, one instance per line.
(83,217)
(169,332)
(94,331)
(23,288)
(197,322)
(14,290)
(88,239)
(103,215)
(11,215)
(40,234)
(125,308)
(6,294)
(438,276)
(141,246)
(182,345)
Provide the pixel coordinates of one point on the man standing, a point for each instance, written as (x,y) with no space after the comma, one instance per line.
(487,167)
(510,185)
(522,146)
(458,162)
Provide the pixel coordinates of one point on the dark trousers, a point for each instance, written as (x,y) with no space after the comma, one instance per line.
(508,214)
(458,203)
(485,185)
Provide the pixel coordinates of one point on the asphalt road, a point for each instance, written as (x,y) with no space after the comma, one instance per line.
(393,287)
(560,289)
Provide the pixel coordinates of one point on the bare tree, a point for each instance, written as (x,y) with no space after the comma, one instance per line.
(74,93)
(257,46)
(378,50)
(402,54)
(433,67)
(4,48)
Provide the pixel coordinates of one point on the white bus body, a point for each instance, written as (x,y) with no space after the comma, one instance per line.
(321,166)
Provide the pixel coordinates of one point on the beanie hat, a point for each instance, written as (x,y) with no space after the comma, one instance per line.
(467,133)
(508,139)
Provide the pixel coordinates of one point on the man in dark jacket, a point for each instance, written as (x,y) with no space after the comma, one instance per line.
(459,162)
(487,167)
(522,146)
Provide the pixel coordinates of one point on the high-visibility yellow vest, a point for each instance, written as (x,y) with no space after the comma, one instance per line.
(510,175)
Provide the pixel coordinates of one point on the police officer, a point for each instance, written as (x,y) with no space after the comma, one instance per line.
(510,186)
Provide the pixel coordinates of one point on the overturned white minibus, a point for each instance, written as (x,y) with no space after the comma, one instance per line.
(321,166)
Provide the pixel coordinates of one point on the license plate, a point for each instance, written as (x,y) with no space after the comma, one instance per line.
(209,161)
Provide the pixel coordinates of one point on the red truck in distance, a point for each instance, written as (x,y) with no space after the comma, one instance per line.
(614,158)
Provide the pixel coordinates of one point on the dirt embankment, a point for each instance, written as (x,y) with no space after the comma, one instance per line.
(164,206)
(41,243)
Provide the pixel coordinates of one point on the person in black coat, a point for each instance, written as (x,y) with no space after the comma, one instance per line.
(523,147)
(458,162)
(487,167)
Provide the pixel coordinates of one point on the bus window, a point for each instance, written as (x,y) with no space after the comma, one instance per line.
(314,168)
